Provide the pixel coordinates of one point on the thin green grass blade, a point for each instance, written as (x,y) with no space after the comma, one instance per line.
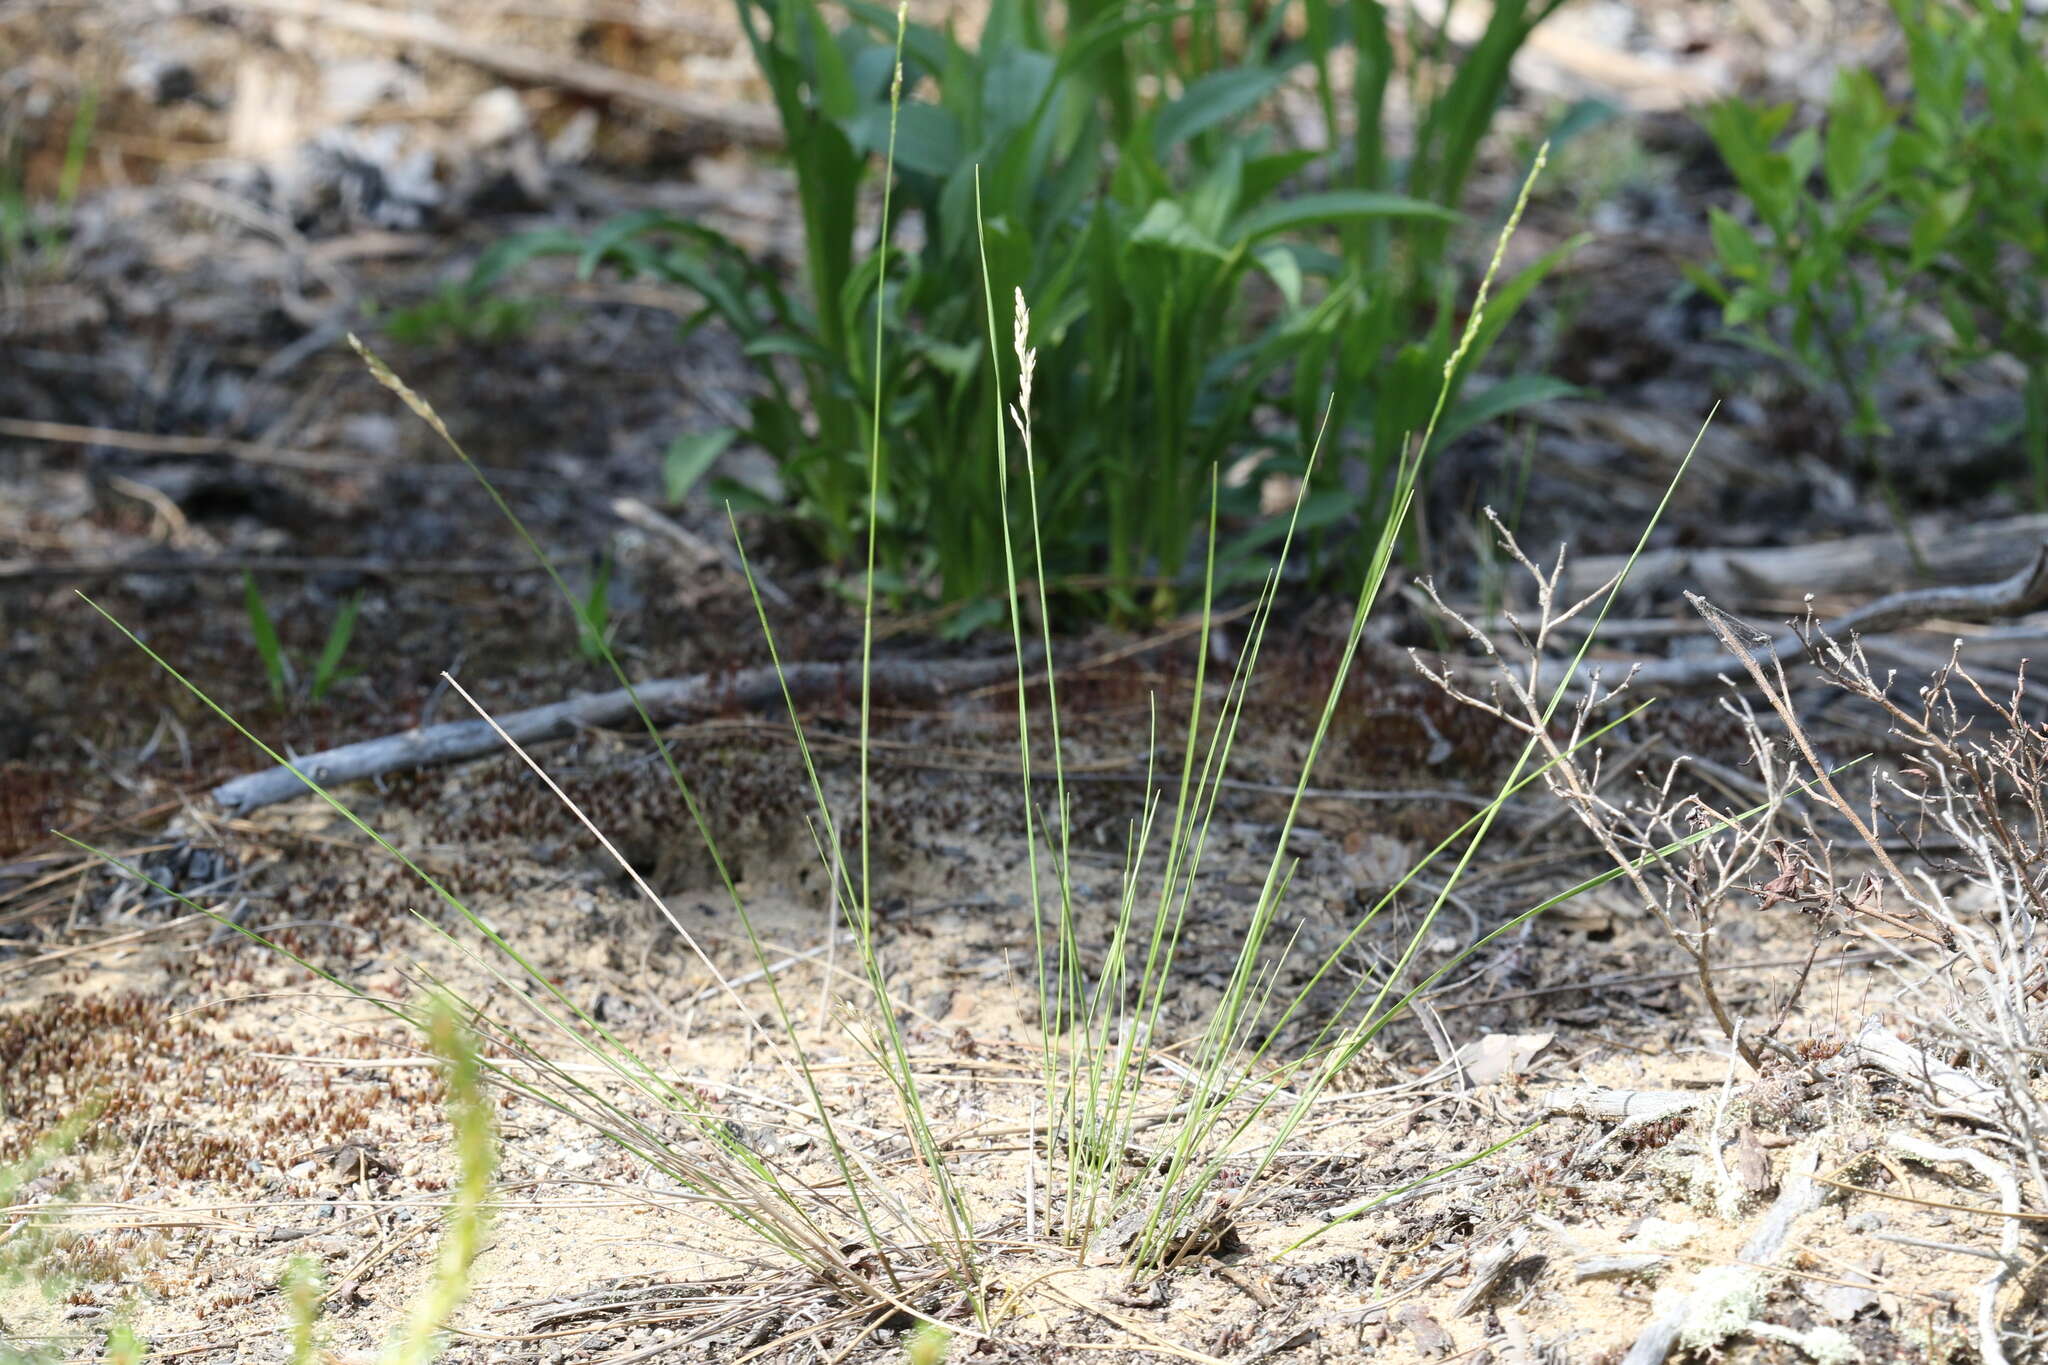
(327,670)
(276,668)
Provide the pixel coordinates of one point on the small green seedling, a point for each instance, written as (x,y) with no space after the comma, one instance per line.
(277,664)
(594,613)
(927,1345)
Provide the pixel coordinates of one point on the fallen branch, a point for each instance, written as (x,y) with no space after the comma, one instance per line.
(2023,592)
(750,124)
(898,681)
(66,433)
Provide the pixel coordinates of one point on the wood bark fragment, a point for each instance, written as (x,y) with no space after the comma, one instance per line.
(201,565)
(254,452)
(901,681)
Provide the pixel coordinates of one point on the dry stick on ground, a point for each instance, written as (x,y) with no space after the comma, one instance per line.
(2016,595)
(1946,1091)
(1858,565)
(65,433)
(898,681)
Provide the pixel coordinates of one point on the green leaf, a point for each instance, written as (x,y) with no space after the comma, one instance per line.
(1706,281)
(1313,260)
(1738,251)
(1583,117)
(1746,306)
(1328,208)
(1909,154)
(1284,270)
(961,361)
(873,68)
(723,291)
(1166,224)
(1803,154)
(1509,395)
(1214,99)
(972,616)
(593,614)
(1215,196)
(502,258)
(689,457)
(1016,83)
(830,73)
(1264,175)
(609,239)
(928,140)
(1858,120)
(739,496)
(790,344)
(1320,509)
(1936,222)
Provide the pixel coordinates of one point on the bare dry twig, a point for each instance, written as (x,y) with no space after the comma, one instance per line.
(900,680)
